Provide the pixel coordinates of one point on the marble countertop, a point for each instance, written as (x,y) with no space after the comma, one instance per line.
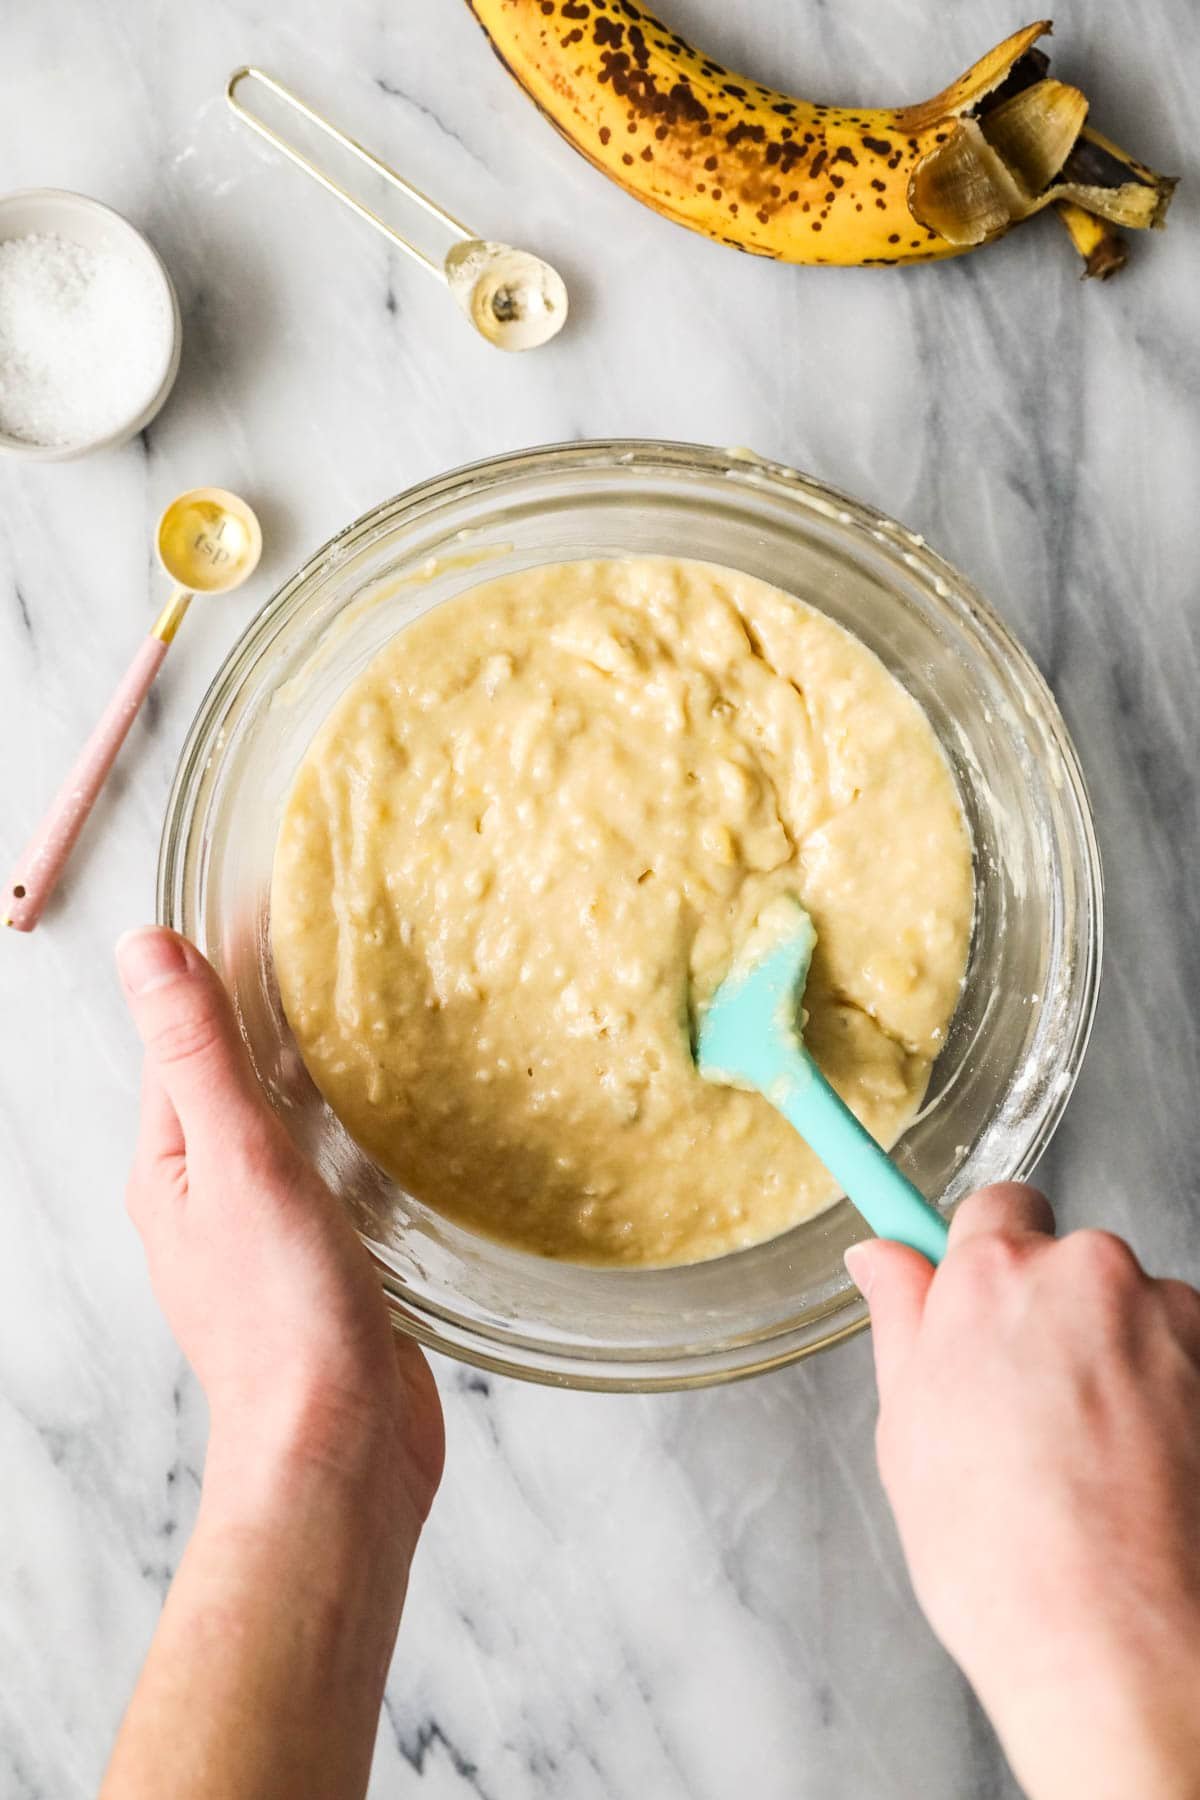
(684,1598)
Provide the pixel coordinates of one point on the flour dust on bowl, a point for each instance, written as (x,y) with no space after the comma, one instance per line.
(1017,1037)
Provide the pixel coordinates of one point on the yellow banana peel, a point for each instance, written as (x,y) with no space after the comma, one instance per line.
(1103,249)
(789,178)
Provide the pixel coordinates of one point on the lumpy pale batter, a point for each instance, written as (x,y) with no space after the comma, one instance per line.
(526,845)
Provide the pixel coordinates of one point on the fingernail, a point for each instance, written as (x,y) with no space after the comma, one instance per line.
(148,958)
(858,1266)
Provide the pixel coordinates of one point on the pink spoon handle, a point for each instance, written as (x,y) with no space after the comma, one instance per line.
(42,860)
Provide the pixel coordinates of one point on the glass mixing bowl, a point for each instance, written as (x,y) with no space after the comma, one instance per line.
(1019,1034)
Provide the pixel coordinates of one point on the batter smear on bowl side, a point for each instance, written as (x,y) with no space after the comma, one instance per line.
(528,842)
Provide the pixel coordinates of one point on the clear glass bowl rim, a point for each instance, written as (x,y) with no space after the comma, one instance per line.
(946,585)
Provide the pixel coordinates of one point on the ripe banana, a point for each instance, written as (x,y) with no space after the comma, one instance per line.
(807,183)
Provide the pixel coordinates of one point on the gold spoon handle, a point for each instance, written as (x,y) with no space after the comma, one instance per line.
(172,616)
(256,123)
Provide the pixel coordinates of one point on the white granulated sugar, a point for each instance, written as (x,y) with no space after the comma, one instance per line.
(84,336)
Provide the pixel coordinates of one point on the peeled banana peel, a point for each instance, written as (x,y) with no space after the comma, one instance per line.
(1103,249)
(788,178)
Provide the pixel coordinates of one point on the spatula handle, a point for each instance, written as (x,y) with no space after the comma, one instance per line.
(887,1200)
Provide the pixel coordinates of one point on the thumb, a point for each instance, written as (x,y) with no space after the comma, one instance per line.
(894,1281)
(184,1018)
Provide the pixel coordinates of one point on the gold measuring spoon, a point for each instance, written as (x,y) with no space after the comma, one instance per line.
(512,298)
(208,542)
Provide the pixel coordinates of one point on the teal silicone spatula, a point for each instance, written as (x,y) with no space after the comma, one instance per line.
(750,1036)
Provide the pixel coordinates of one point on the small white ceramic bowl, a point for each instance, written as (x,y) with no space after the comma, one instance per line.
(91,223)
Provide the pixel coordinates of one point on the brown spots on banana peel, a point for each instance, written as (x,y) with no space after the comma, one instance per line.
(770,173)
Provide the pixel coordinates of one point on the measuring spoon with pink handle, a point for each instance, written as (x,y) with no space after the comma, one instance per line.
(209,542)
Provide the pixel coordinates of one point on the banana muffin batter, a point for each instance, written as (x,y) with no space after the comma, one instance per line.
(525,847)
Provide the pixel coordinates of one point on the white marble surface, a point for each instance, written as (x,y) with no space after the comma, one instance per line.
(689,1598)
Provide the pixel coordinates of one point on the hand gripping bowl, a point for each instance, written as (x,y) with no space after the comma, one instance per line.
(1013,1050)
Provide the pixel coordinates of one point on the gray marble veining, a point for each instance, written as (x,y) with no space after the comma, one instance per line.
(694,1597)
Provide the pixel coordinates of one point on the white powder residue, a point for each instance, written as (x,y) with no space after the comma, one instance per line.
(84,337)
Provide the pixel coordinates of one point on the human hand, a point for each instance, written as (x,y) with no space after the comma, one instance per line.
(260,1274)
(1039,1441)
(267,1669)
